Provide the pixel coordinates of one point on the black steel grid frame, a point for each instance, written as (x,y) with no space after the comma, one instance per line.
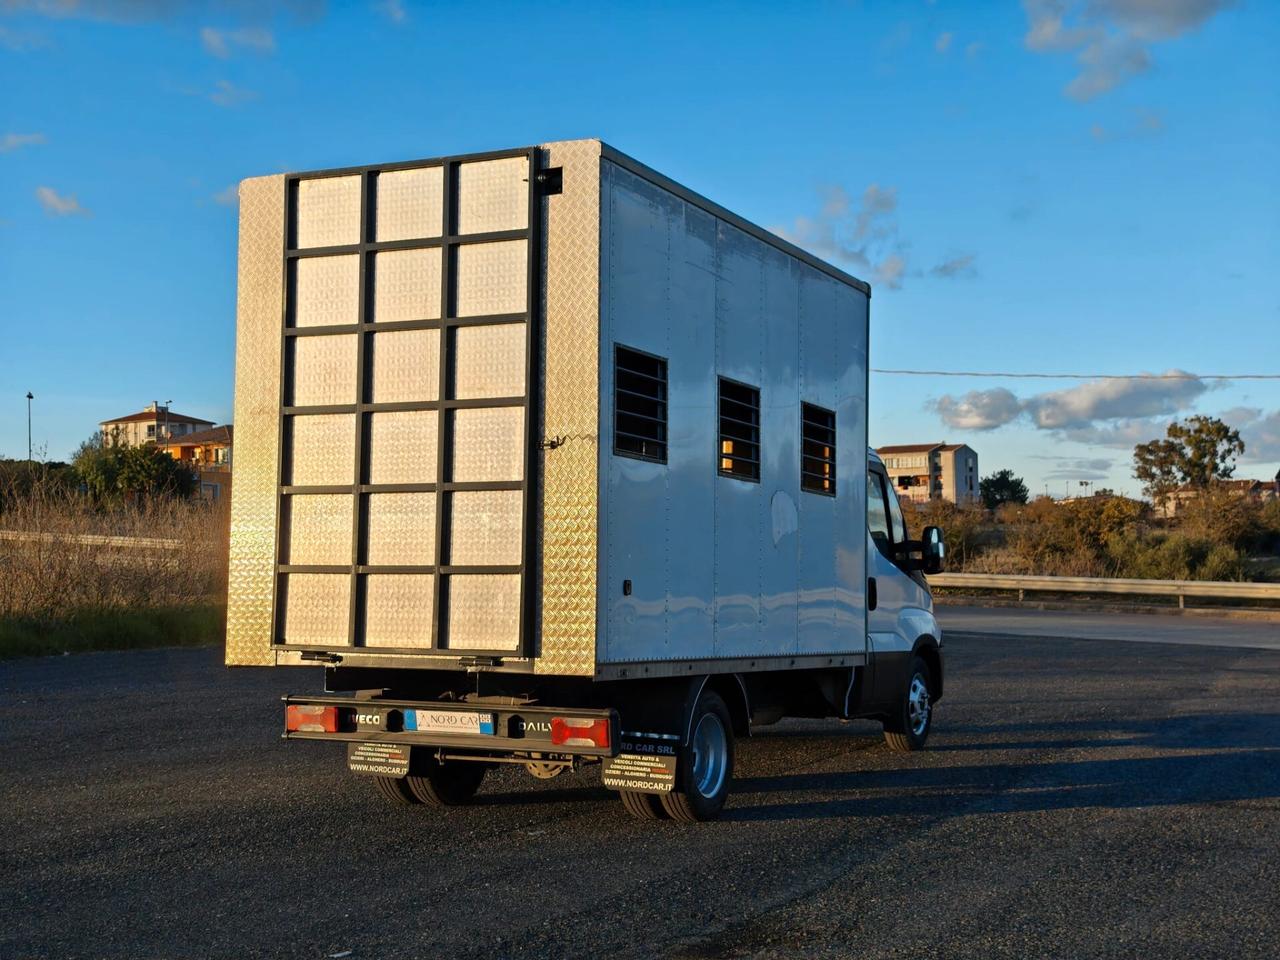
(367,248)
(817,428)
(661,401)
(750,428)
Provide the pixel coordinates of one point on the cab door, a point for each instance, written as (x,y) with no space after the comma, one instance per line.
(893,623)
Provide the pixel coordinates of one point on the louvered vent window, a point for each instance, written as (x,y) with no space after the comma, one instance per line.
(818,450)
(739,430)
(639,405)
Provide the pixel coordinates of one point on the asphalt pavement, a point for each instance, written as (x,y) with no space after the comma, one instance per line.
(1081,798)
(1195,629)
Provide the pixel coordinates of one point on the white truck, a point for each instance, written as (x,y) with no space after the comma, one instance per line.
(548,460)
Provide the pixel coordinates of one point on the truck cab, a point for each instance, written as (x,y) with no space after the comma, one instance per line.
(904,641)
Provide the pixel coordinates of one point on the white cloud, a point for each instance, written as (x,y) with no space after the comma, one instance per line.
(227,94)
(230,197)
(16,141)
(1259,430)
(943,43)
(890,270)
(979,409)
(20,41)
(1110,38)
(959,266)
(877,204)
(393,10)
(1113,400)
(222,43)
(973,49)
(59,205)
(139,11)
(1103,412)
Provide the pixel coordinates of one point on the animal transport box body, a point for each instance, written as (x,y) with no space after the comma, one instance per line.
(541,426)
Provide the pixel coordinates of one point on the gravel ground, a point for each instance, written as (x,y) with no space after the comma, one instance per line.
(1080,799)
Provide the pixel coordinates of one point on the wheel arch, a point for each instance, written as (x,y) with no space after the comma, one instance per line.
(928,649)
(733,691)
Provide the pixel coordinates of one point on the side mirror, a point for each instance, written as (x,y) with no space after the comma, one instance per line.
(932,550)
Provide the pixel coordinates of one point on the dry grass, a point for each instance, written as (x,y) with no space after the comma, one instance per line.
(60,590)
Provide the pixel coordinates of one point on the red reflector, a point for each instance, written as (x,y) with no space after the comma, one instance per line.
(579,732)
(311,718)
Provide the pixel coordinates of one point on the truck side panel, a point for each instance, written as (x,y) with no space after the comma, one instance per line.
(780,560)
(713,300)
(741,509)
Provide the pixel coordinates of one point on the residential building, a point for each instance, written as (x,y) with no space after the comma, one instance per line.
(208,454)
(155,422)
(925,471)
(1259,490)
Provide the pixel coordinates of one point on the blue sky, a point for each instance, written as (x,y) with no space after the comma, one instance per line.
(1080,186)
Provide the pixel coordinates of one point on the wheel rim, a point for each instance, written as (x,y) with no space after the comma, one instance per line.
(710,755)
(918,705)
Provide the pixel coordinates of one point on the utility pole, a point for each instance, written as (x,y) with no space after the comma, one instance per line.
(29,399)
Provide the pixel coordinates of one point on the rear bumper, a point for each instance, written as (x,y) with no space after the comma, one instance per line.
(515,729)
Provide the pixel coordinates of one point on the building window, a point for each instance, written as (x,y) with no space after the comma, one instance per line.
(151,431)
(817,450)
(639,405)
(739,430)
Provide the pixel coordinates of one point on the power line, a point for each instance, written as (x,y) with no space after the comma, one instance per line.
(1078,376)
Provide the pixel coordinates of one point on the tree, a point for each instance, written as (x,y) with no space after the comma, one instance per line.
(1194,452)
(110,471)
(1002,487)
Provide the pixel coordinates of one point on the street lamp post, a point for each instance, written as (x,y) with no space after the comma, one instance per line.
(29,399)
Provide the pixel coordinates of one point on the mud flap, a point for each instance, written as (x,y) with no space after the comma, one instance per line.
(378,759)
(640,772)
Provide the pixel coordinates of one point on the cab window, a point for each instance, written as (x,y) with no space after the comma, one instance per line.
(897,525)
(877,514)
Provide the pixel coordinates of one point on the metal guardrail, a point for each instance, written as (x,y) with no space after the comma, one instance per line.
(93,539)
(1215,589)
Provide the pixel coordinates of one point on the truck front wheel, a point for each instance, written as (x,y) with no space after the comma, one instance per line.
(909,727)
(706,764)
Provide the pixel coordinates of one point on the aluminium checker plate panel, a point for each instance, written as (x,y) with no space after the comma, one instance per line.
(259,305)
(568,529)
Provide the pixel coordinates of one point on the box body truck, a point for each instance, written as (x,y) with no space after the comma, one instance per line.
(546,459)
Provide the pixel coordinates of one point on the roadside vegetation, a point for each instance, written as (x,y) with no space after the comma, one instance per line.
(1214,534)
(65,587)
(1217,536)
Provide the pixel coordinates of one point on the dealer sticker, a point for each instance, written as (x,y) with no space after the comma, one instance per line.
(378,759)
(634,771)
(449,721)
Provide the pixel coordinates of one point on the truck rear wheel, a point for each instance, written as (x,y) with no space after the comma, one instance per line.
(394,789)
(643,806)
(909,728)
(445,784)
(706,764)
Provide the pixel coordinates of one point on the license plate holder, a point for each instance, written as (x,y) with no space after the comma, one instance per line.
(463,722)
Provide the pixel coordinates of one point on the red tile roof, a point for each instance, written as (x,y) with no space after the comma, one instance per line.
(158,415)
(213,435)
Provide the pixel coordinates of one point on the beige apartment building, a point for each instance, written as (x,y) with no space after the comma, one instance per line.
(154,423)
(923,471)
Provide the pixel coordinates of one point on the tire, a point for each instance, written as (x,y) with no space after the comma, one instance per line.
(643,806)
(394,789)
(444,784)
(706,764)
(909,728)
